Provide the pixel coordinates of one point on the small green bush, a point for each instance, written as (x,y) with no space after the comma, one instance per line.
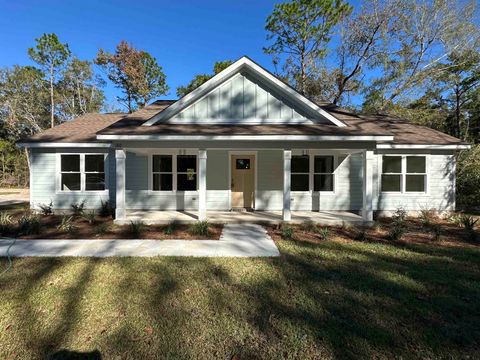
(468,221)
(287,232)
(6,222)
(437,231)
(361,235)
(427,217)
(101,229)
(136,228)
(105,209)
(324,233)
(398,229)
(200,228)
(89,216)
(66,225)
(169,229)
(77,209)
(29,224)
(46,209)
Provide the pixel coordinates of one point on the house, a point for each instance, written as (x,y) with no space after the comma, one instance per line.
(244,140)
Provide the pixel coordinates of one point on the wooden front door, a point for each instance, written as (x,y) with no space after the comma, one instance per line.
(243,181)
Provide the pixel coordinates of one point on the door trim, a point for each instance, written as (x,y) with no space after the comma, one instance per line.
(241,152)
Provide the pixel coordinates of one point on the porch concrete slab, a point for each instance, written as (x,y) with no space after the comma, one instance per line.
(237,240)
(242,217)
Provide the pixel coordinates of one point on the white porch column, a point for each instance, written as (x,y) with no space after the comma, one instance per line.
(367,209)
(120,213)
(287,164)
(202,184)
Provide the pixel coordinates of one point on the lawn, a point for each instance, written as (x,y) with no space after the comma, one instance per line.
(333,298)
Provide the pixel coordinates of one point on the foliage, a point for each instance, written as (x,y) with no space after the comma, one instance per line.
(135,72)
(202,78)
(89,216)
(67,225)
(6,222)
(46,209)
(287,232)
(78,208)
(13,165)
(169,229)
(361,234)
(309,226)
(106,209)
(324,233)
(468,221)
(437,231)
(468,177)
(29,224)
(200,228)
(398,227)
(136,228)
(101,229)
(427,216)
(300,31)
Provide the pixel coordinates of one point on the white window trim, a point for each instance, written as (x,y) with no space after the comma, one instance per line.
(58,186)
(312,154)
(404,174)
(174,173)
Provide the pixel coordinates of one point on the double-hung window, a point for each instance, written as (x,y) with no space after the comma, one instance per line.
(404,174)
(300,173)
(323,173)
(162,173)
(174,172)
(82,172)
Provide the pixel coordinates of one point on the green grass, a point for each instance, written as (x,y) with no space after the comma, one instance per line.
(334,299)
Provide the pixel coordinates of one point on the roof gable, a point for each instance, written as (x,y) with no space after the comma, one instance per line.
(244,93)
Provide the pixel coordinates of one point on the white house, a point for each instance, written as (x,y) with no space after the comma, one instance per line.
(243,140)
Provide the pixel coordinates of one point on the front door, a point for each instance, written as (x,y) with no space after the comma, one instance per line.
(243,182)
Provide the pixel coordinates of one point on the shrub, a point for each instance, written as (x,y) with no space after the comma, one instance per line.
(6,222)
(377,226)
(309,226)
(29,224)
(427,216)
(398,224)
(46,209)
(77,209)
(89,216)
(324,233)
(169,229)
(287,232)
(101,229)
(66,225)
(200,228)
(361,235)
(105,209)
(468,221)
(136,228)
(437,231)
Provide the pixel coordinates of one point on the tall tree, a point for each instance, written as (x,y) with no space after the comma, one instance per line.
(202,78)
(51,55)
(135,72)
(300,31)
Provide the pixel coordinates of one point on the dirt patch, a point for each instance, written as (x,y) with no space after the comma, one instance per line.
(104,228)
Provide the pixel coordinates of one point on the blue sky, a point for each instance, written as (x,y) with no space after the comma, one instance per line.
(186,37)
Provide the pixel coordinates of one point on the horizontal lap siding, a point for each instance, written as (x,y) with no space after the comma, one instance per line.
(441,191)
(44,177)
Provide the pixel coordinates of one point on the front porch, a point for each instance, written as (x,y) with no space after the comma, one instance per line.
(259,217)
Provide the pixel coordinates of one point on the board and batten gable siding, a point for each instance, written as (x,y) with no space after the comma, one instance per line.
(440,185)
(241,99)
(43,180)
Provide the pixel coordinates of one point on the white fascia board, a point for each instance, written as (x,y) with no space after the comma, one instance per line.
(426,146)
(248,137)
(63,145)
(227,73)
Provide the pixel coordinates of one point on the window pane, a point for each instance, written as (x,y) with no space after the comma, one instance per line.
(299,182)
(392,164)
(300,164)
(323,183)
(70,163)
(323,164)
(95,181)
(94,163)
(391,182)
(415,183)
(416,164)
(162,182)
(242,164)
(162,163)
(71,182)
(187,182)
(187,163)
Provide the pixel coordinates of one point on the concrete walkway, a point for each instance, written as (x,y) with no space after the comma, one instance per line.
(237,240)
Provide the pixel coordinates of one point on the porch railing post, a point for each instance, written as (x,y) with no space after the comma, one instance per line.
(287,164)
(120,213)
(367,209)
(202,184)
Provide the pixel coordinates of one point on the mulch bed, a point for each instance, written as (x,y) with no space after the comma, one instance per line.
(85,230)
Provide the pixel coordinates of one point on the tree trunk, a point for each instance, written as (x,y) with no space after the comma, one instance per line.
(52,105)
(457,111)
